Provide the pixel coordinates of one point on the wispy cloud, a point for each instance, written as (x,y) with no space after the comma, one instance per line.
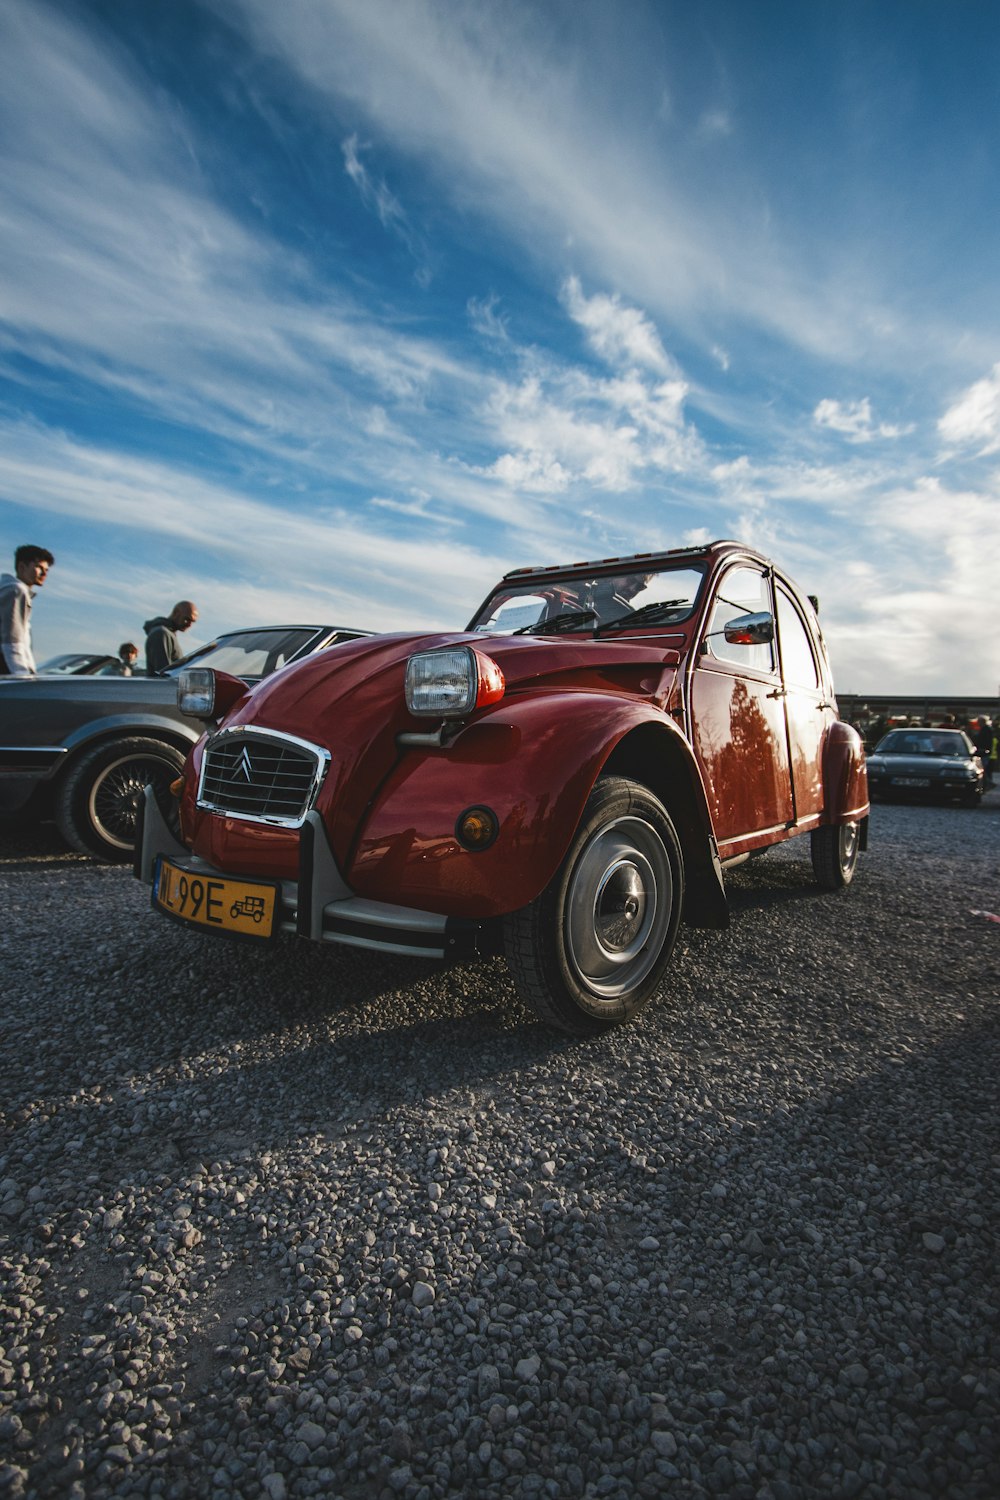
(562,426)
(854,420)
(487,320)
(375,194)
(378,197)
(620,334)
(715,124)
(974,419)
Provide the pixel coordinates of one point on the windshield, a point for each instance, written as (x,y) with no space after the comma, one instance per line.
(249,653)
(73,663)
(924,742)
(661,596)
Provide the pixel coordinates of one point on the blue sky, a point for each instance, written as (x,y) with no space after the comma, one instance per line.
(337,309)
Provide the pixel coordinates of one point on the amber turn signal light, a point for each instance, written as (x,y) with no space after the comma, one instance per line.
(477,828)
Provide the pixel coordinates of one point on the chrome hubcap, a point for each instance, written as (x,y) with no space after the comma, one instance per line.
(618,905)
(848,845)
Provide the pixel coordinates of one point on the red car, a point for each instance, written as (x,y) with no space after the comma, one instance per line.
(563,781)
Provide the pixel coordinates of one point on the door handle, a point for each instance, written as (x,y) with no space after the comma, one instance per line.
(778,693)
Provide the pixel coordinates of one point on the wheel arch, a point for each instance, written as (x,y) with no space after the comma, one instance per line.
(659,758)
(539,799)
(106,732)
(845,777)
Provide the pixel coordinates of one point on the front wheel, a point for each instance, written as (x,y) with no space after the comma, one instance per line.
(96,808)
(834,850)
(590,951)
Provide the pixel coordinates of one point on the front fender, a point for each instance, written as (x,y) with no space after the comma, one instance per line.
(534,761)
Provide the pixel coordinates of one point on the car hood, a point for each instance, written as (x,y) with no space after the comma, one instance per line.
(306,690)
(916,765)
(351,703)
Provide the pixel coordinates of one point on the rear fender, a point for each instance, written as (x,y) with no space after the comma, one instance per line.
(534,761)
(845,778)
(124,726)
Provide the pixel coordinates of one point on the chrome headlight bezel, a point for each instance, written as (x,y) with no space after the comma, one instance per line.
(451,681)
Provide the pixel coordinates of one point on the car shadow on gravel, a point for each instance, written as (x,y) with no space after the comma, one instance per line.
(774,880)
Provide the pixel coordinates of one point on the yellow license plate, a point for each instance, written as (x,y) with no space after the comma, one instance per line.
(247,907)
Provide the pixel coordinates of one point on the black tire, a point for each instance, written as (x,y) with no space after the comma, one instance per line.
(96,804)
(589,952)
(973,799)
(835,854)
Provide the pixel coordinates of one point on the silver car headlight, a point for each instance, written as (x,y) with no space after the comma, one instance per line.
(196,692)
(449,684)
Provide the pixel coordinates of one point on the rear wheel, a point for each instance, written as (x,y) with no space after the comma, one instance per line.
(97,803)
(835,854)
(590,951)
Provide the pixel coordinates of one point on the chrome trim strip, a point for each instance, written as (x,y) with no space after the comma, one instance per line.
(754,833)
(33,750)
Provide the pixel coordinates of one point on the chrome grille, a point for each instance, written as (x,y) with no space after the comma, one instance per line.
(261,776)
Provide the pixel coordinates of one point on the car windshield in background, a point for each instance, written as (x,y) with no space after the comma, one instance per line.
(249,653)
(73,664)
(660,597)
(925,742)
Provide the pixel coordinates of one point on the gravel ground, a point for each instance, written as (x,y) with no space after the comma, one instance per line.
(319,1223)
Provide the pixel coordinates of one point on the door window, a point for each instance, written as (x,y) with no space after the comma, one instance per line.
(743,591)
(797,660)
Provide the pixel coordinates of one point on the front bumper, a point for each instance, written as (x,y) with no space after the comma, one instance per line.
(933,789)
(320,905)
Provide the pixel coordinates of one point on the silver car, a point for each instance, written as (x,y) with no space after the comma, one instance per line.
(81,749)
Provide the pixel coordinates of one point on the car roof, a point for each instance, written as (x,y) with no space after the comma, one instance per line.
(637,561)
(301,625)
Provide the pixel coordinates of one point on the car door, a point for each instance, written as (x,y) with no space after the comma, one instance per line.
(808,709)
(737,717)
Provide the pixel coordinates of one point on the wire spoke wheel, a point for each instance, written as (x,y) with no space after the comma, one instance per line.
(98,800)
(114,797)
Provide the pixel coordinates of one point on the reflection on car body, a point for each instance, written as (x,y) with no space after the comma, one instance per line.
(562,780)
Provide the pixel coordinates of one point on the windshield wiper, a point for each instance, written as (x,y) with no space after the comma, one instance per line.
(644,612)
(558,623)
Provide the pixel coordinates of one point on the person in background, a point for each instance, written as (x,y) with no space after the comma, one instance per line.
(983,738)
(17,591)
(162,646)
(128,655)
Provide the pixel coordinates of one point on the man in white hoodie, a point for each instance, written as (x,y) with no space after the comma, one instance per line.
(17,590)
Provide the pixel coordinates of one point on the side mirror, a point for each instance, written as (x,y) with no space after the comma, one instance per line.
(750,630)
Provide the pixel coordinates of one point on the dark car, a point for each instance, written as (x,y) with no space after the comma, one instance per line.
(927,765)
(562,781)
(81,748)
